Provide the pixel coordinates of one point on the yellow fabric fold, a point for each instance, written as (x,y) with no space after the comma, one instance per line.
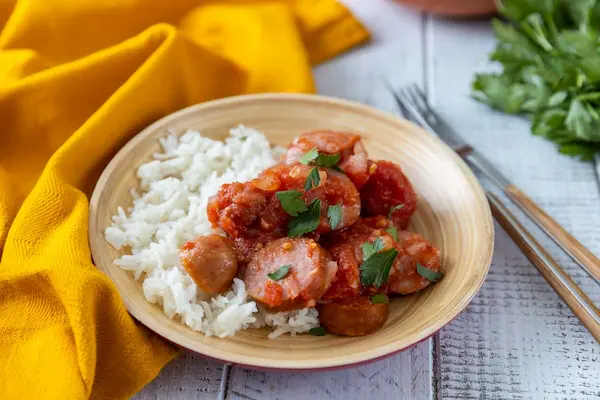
(78,79)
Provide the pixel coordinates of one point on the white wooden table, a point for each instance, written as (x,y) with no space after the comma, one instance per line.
(516,339)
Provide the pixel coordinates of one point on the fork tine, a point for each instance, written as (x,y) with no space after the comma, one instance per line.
(418,98)
(403,110)
(429,114)
(417,89)
(410,94)
(403,98)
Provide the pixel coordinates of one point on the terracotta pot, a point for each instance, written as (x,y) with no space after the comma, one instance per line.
(460,8)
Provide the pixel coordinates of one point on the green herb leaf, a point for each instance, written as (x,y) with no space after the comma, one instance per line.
(309,156)
(280,273)
(334,213)
(394,208)
(243,138)
(431,276)
(369,249)
(393,231)
(327,160)
(313,179)
(550,59)
(379,298)
(291,201)
(375,270)
(313,157)
(318,331)
(306,221)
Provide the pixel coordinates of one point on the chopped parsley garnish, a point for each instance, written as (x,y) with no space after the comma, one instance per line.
(309,156)
(291,201)
(431,276)
(393,231)
(327,160)
(313,157)
(306,221)
(375,270)
(280,273)
(379,298)
(394,208)
(313,179)
(371,248)
(318,331)
(334,213)
(243,138)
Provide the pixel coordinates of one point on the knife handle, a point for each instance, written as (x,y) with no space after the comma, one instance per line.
(561,237)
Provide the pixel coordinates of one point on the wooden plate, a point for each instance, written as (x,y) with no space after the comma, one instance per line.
(453,213)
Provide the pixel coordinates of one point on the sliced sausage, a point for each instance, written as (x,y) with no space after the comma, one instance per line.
(346,249)
(242,208)
(334,188)
(356,317)
(311,271)
(236,207)
(254,240)
(404,278)
(354,160)
(388,187)
(211,262)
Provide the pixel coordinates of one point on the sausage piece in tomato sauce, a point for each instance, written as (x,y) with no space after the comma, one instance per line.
(244,210)
(211,262)
(346,249)
(388,187)
(404,278)
(236,207)
(354,160)
(355,317)
(311,271)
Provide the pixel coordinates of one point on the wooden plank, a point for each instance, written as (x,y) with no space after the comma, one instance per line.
(516,339)
(185,378)
(396,54)
(401,376)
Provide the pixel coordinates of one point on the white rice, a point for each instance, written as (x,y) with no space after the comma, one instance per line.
(171,209)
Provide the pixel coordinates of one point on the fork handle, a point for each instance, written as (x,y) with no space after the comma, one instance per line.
(564,239)
(581,305)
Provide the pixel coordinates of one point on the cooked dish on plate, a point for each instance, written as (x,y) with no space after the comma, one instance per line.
(238,234)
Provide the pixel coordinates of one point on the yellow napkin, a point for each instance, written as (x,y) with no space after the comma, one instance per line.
(78,78)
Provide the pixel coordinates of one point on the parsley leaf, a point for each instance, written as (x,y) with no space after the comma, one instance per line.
(313,157)
(393,231)
(306,221)
(327,160)
(313,179)
(369,249)
(291,201)
(243,138)
(318,331)
(334,213)
(430,275)
(550,70)
(280,273)
(375,270)
(379,298)
(309,156)
(394,208)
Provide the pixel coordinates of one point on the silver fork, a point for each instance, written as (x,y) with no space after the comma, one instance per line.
(412,103)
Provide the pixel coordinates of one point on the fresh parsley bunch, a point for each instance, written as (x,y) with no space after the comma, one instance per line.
(550,53)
